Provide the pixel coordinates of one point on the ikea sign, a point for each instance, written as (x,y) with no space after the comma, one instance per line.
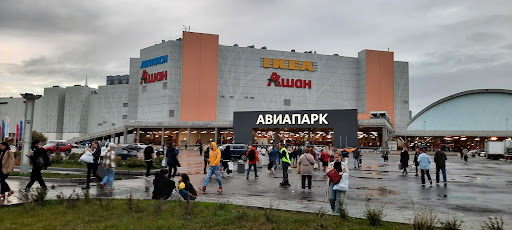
(154,61)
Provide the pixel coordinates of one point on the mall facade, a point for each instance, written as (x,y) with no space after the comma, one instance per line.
(187,91)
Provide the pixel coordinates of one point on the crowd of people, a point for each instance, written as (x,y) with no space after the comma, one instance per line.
(422,161)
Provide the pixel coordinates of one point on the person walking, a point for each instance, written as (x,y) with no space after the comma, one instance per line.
(356,154)
(162,185)
(293,156)
(40,161)
(425,160)
(415,160)
(273,157)
(186,189)
(344,154)
(93,167)
(404,159)
(285,157)
(335,196)
(7,166)
(252,156)
(324,157)
(214,161)
(109,163)
(385,155)
(201,149)
(465,153)
(172,159)
(226,158)
(440,159)
(149,151)
(305,166)
(205,158)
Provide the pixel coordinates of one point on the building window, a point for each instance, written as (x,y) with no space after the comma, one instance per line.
(164,86)
(246,97)
(252,97)
(287,102)
(100,124)
(221,96)
(143,89)
(125,117)
(171,113)
(231,97)
(125,104)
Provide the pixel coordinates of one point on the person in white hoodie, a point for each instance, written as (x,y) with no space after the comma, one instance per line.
(425,161)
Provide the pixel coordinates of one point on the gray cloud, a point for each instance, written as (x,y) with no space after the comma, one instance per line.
(451,46)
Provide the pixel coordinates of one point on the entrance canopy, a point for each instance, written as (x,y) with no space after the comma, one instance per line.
(342,122)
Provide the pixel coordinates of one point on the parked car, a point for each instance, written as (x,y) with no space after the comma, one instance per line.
(237,151)
(141,145)
(52,148)
(477,152)
(124,153)
(160,152)
(132,147)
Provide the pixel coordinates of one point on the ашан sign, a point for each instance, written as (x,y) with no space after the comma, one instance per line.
(152,77)
(286,82)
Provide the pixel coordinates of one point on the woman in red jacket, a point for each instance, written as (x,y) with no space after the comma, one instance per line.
(324,157)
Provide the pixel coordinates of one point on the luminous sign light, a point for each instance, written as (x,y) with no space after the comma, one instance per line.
(154,61)
(286,119)
(277,63)
(153,77)
(291,83)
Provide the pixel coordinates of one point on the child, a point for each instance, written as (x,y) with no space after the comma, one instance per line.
(186,189)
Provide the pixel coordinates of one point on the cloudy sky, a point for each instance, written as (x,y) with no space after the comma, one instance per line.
(451,46)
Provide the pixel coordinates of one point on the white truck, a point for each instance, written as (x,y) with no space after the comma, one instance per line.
(498,149)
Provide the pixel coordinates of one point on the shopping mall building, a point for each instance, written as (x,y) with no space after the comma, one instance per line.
(193,89)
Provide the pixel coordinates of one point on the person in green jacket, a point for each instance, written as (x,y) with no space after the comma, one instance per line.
(286,163)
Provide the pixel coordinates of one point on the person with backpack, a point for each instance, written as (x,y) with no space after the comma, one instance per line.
(162,185)
(40,161)
(226,158)
(149,151)
(273,157)
(305,166)
(109,163)
(93,167)
(214,168)
(440,159)
(286,163)
(345,154)
(7,167)
(186,189)
(172,159)
(356,154)
(252,156)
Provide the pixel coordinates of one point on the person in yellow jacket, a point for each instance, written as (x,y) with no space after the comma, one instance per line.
(285,156)
(214,163)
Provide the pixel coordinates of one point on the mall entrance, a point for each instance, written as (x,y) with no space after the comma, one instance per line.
(293,136)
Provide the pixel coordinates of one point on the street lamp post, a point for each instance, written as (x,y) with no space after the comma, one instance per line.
(30,100)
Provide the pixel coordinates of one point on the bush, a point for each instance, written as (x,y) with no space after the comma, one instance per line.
(17,154)
(74,156)
(374,215)
(451,224)
(493,224)
(39,136)
(57,159)
(134,162)
(157,162)
(425,220)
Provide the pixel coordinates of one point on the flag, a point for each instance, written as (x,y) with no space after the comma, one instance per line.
(6,127)
(3,128)
(17,131)
(21,129)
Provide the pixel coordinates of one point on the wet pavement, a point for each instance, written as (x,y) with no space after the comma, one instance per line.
(475,190)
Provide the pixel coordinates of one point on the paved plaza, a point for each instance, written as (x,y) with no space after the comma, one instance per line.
(475,190)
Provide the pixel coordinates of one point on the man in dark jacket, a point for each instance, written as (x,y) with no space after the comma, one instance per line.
(148,158)
(404,159)
(356,153)
(415,160)
(163,186)
(226,158)
(440,159)
(206,157)
(40,161)
(172,159)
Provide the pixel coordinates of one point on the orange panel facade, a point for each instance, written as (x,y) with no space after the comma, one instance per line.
(380,83)
(199,77)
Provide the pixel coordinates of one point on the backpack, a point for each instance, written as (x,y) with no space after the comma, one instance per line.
(252,155)
(39,162)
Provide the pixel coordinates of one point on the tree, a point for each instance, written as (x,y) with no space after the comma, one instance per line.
(39,136)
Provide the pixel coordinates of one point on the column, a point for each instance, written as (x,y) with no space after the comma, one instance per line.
(138,135)
(162,138)
(188,137)
(276,137)
(216,134)
(384,137)
(125,136)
